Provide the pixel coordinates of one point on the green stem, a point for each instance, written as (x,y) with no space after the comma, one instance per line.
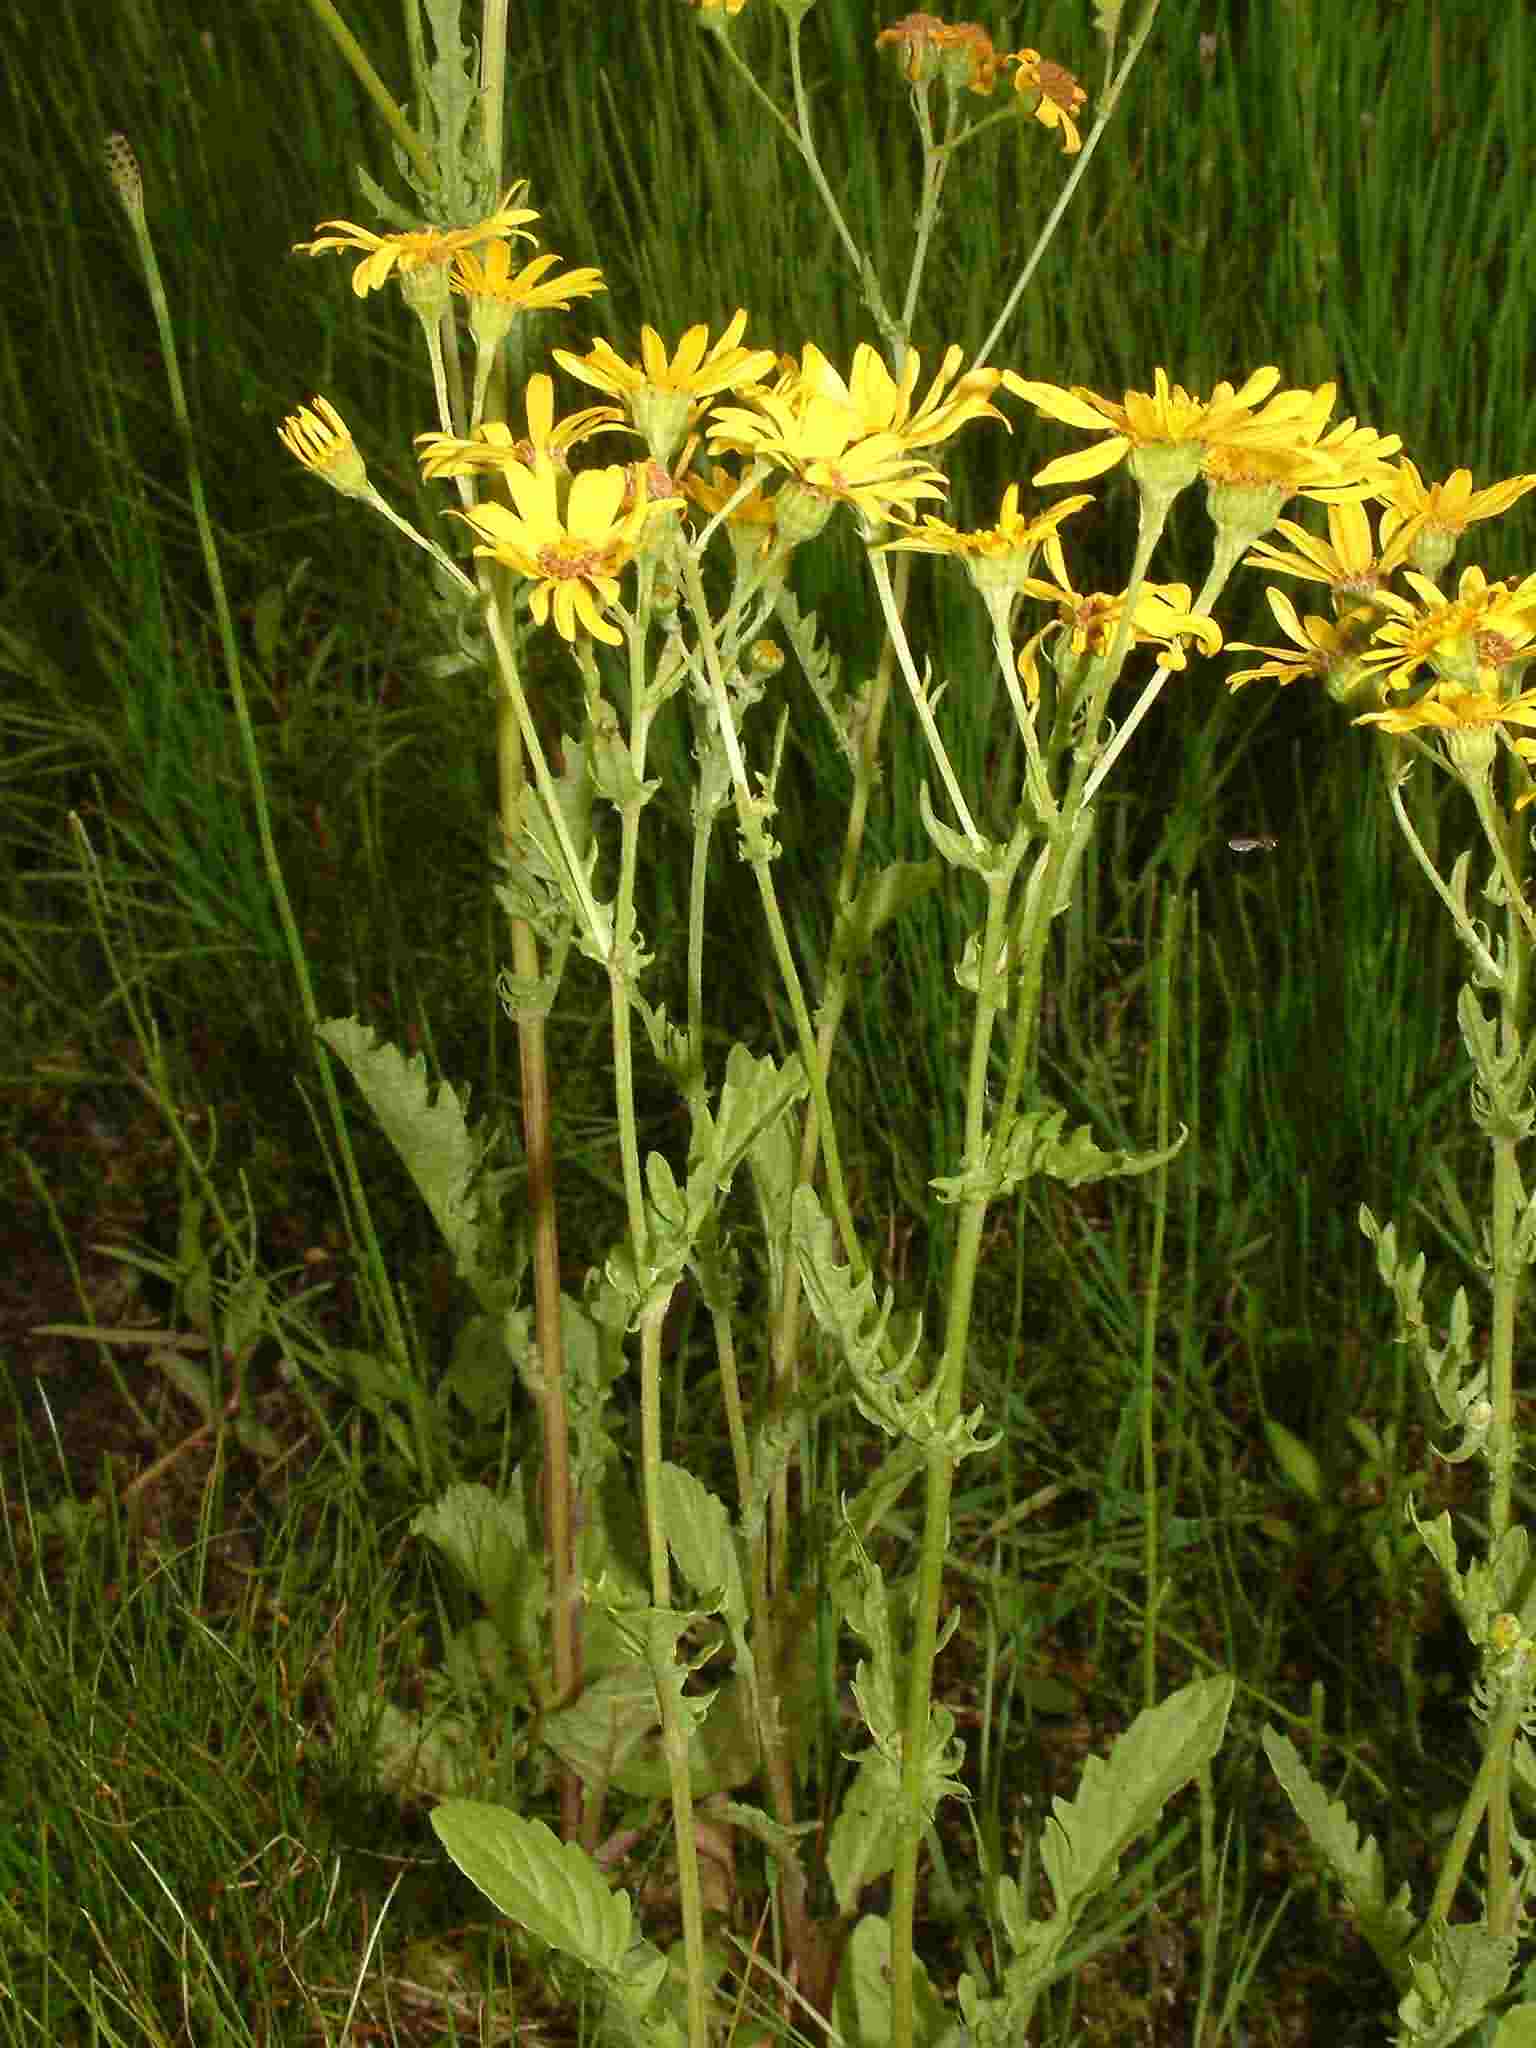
(1074,178)
(920,704)
(661,1648)
(1488,968)
(937,158)
(662,1654)
(538,1121)
(538,1145)
(835,986)
(1093,765)
(599,932)
(1505,847)
(749,811)
(1501,1361)
(362,69)
(619,967)
(493,83)
(1503,1897)
(805,149)
(1037,781)
(1151,1563)
(381,1293)
(1507,840)
(1502,1730)
(1503,1442)
(940,1468)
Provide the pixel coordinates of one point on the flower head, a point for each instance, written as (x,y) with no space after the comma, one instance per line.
(127,178)
(1468,721)
(1486,626)
(1358,457)
(663,393)
(717,490)
(1426,521)
(819,442)
(318,436)
(419,248)
(998,556)
(494,446)
(882,404)
(1058,96)
(752,523)
(490,280)
(1451,707)
(1283,458)
(573,558)
(927,48)
(1322,648)
(1251,473)
(1347,561)
(1161,617)
(1167,417)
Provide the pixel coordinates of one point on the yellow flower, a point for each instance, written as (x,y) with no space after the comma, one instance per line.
(689,369)
(1322,648)
(530,291)
(1469,723)
(1162,617)
(755,509)
(573,561)
(1428,520)
(1166,417)
(662,393)
(1526,749)
(421,248)
(1347,562)
(493,446)
(320,440)
(1450,707)
(819,441)
(997,556)
(1060,95)
(1286,454)
(1485,626)
(1359,456)
(753,524)
(882,403)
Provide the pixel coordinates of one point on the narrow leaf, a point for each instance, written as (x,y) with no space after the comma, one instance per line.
(1295,1459)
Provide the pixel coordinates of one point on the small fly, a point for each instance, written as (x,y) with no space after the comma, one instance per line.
(1258,842)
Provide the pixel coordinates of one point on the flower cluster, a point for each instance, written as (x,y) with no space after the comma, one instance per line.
(1454,661)
(1429,661)
(963,56)
(810,440)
